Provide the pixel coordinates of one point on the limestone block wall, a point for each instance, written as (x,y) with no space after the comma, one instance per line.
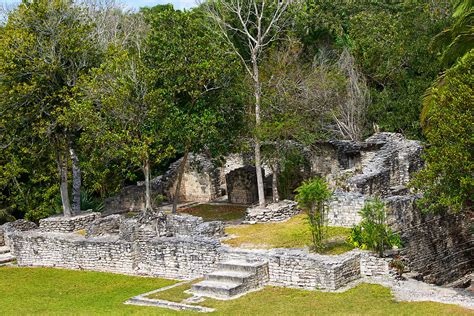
(242,185)
(8,228)
(201,180)
(175,257)
(63,224)
(180,258)
(440,247)
(299,269)
(371,265)
(344,209)
(274,212)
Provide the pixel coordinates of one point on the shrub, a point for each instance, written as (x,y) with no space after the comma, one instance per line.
(446,180)
(312,197)
(373,233)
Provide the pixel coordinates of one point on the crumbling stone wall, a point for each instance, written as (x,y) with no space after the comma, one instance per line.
(274,212)
(299,269)
(371,265)
(176,257)
(201,183)
(242,185)
(63,224)
(344,208)
(8,228)
(438,246)
(180,258)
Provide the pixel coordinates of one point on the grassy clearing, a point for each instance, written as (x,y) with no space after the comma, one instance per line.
(222,212)
(39,291)
(293,233)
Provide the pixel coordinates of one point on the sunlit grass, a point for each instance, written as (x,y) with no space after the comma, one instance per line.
(213,212)
(293,233)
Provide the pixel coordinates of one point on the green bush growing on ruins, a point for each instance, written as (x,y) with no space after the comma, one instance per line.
(373,233)
(312,196)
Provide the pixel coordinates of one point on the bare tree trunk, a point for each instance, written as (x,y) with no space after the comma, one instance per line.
(258,159)
(76,182)
(276,171)
(62,168)
(177,191)
(146,172)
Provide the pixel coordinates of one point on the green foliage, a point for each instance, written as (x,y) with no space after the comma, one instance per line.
(447,181)
(290,175)
(44,47)
(5,216)
(191,64)
(312,197)
(373,233)
(391,44)
(458,39)
(89,202)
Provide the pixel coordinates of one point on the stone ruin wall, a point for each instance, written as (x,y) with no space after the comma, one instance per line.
(62,224)
(440,247)
(177,257)
(242,185)
(274,212)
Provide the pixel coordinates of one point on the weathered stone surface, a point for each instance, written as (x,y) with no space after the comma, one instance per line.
(371,265)
(10,227)
(180,258)
(104,226)
(299,269)
(201,183)
(380,165)
(274,212)
(242,185)
(67,224)
(438,246)
(344,208)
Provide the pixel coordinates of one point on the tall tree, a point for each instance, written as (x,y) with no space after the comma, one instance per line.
(250,26)
(121,112)
(447,115)
(191,65)
(45,47)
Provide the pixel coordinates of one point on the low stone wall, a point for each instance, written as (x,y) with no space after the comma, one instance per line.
(371,265)
(175,257)
(184,258)
(8,228)
(63,224)
(297,268)
(344,209)
(274,212)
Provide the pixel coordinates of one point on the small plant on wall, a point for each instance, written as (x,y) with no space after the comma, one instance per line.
(373,233)
(313,196)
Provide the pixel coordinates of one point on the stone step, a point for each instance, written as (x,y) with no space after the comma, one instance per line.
(6,258)
(229,276)
(240,265)
(217,289)
(4,249)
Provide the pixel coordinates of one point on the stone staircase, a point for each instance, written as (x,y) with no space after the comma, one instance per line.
(5,256)
(232,279)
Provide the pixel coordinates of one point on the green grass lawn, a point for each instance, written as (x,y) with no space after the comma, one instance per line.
(215,212)
(293,233)
(40,291)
